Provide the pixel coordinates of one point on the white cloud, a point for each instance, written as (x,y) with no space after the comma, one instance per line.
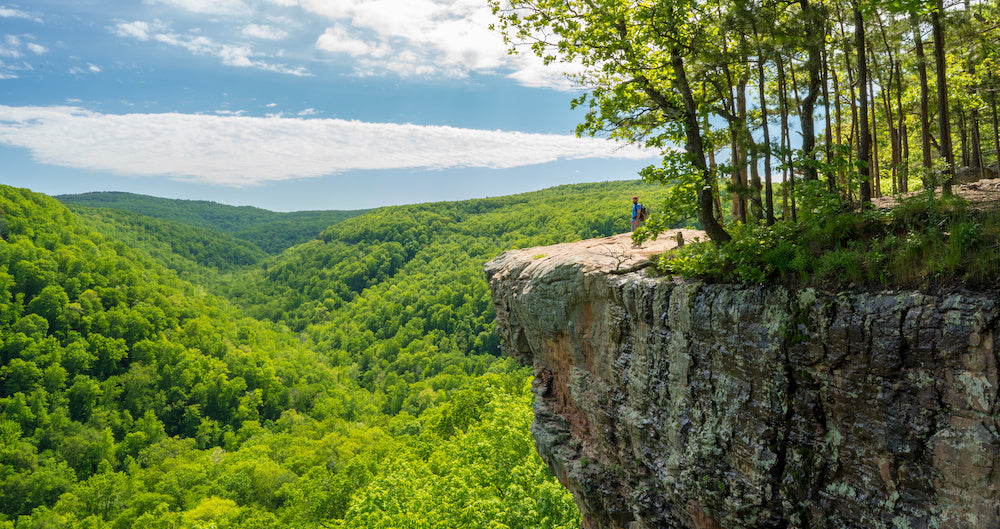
(425,37)
(428,38)
(244,151)
(337,39)
(264,32)
(209,7)
(332,9)
(7,12)
(15,47)
(230,55)
(80,70)
(138,30)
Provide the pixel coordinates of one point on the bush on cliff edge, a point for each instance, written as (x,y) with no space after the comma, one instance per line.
(924,242)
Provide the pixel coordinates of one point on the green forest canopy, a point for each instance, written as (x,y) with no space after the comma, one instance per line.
(270,231)
(888,96)
(185,380)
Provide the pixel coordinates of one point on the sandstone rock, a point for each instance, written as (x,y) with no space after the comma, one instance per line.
(964,175)
(679,404)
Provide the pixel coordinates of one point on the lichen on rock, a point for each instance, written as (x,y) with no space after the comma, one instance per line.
(664,403)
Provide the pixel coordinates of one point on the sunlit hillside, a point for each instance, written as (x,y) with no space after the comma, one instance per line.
(159,375)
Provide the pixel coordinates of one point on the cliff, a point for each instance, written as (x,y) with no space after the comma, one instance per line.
(666,403)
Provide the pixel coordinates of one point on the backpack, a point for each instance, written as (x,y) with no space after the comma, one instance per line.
(642,213)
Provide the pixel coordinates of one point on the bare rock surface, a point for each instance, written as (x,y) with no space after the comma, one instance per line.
(614,254)
(981,194)
(679,404)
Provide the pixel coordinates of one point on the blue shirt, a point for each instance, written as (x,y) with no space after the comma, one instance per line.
(635,210)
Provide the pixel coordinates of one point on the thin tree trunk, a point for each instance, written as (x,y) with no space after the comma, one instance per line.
(944,121)
(768,190)
(746,143)
(737,154)
(904,176)
(714,168)
(963,134)
(852,139)
(831,181)
(841,177)
(976,145)
(893,137)
(876,172)
(864,139)
(795,84)
(786,142)
(894,141)
(996,132)
(739,206)
(756,206)
(925,132)
(977,149)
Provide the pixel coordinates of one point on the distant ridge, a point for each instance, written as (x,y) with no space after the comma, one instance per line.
(271,231)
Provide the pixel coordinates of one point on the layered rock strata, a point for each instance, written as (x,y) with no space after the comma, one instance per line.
(665,403)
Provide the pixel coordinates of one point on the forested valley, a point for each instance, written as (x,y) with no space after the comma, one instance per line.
(159,374)
(169,364)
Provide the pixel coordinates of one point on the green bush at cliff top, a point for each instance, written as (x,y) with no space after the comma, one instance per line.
(924,242)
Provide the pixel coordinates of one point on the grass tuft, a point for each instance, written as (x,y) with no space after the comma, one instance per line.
(925,243)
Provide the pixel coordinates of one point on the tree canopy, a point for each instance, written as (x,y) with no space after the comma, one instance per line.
(713,77)
(154,374)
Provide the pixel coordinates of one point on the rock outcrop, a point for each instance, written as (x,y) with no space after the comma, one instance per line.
(665,403)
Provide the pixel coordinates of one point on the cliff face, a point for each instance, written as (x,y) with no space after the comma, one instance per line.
(666,403)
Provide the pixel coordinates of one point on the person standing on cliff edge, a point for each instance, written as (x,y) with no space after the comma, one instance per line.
(638,213)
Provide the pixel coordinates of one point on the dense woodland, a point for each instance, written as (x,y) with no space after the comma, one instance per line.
(847,99)
(156,374)
(185,364)
(270,231)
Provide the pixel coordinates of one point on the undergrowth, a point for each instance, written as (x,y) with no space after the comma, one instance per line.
(925,242)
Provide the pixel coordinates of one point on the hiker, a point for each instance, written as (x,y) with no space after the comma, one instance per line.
(638,213)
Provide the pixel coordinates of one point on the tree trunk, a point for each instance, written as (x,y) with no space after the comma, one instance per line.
(852,138)
(745,141)
(875,169)
(925,132)
(736,155)
(695,149)
(963,135)
(815,38)
(737,151)
(893,136)
(841,177)
(977,148)
(894,141)
(996,132)
(768,189)
(976,144)
(831,182)
(713,168)
(756,206)
(864,139)
(904,173)
(944,121)
(788,173)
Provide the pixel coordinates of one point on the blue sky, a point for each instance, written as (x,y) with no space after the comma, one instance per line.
(285,104)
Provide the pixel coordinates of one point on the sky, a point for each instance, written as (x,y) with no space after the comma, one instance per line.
(286,105)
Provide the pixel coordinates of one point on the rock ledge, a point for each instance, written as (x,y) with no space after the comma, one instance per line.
(678,404)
